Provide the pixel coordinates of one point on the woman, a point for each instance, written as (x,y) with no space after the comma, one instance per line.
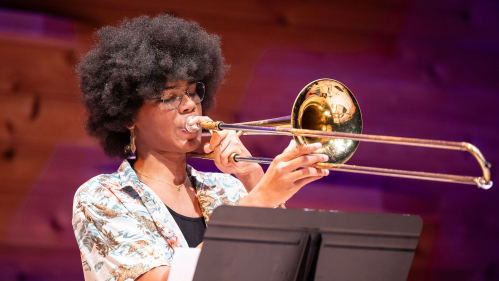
(140,83)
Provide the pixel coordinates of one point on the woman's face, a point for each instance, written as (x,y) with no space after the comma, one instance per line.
(161,130)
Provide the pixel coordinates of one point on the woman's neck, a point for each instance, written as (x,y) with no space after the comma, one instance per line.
(169,167)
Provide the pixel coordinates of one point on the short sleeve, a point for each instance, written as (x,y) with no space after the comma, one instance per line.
(215,189)
(114,243)
(231,190)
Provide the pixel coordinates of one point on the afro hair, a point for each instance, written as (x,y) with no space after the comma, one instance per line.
(133,62)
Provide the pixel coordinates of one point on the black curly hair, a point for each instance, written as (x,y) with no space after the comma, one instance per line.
(133,62)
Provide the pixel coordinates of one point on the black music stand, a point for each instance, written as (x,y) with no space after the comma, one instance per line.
(243,243)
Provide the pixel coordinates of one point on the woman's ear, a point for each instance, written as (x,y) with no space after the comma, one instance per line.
(131,127)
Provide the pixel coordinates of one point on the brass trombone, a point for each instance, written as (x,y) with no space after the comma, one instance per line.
(326,111)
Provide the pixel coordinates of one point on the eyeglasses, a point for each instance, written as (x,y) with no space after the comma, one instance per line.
(172,97)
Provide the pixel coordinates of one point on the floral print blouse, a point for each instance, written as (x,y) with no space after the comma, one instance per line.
(123,229)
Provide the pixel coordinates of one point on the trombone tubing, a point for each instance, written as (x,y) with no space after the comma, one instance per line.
(482,182)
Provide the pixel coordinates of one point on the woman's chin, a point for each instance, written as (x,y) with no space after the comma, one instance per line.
(192,144)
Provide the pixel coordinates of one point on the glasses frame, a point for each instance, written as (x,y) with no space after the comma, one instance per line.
(186,93)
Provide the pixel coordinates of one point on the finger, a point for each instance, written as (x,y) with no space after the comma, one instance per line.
(217,138)
(302,182)
(207,148)
(226,153)
(231,144)
(292,153)
(309,172)
(199,119)
(291,145)
(307,160)
(220,157)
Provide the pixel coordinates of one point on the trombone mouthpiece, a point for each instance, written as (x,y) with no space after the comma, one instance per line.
(191,128)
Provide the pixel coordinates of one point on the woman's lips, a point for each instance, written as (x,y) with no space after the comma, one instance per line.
(184,130)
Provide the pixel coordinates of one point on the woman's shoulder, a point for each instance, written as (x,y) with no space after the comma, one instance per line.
(94,187)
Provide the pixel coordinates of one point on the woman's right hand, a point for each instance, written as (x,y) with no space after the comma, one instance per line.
(285,177)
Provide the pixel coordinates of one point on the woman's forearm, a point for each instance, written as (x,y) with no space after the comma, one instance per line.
(257,198)
(252,178)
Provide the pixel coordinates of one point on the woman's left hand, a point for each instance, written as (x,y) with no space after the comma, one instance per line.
(223,144)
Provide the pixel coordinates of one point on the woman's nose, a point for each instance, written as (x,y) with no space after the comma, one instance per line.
(187,104)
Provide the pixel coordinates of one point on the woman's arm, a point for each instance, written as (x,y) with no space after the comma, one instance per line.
(251,179)
(285,177)
(111,239)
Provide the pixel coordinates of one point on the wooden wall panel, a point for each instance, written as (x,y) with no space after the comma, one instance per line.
(38,70)
(39,106)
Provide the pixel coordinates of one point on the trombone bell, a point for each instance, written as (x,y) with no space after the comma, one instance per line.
(329,106)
